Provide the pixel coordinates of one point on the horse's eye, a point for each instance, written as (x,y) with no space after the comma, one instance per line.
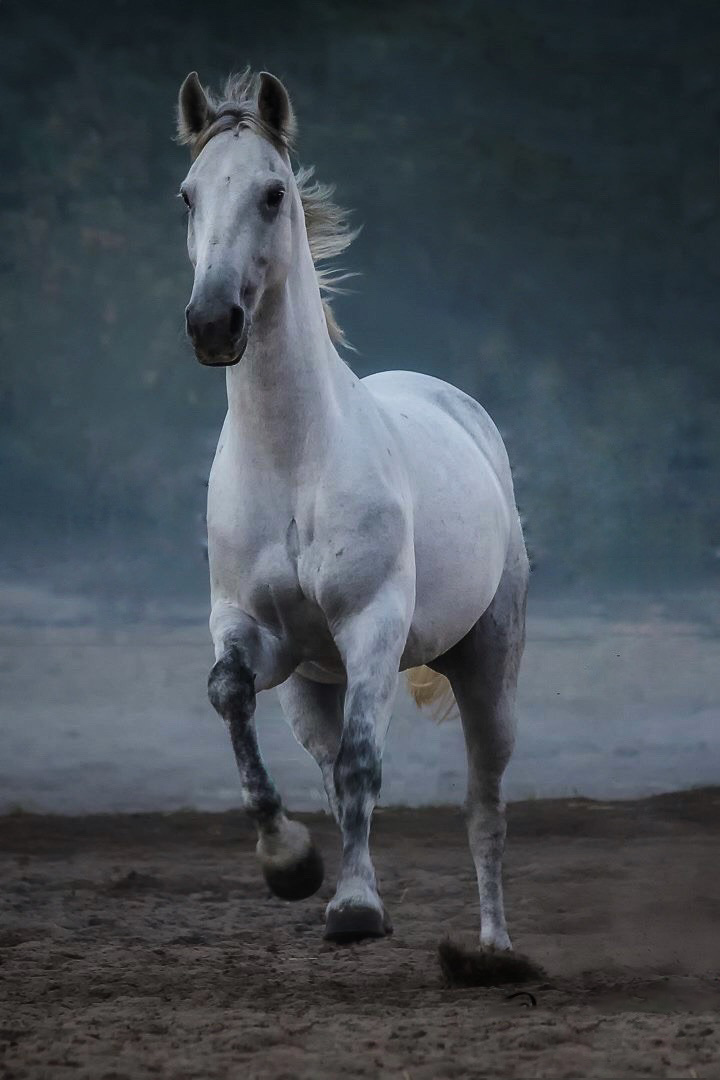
(274,196)
(184,197)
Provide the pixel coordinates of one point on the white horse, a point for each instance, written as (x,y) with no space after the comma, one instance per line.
(356,528)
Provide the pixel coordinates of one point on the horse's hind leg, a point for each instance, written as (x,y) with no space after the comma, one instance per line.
(483,671)
(314,712)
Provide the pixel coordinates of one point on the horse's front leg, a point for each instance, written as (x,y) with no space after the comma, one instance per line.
(371,645)
(249,659)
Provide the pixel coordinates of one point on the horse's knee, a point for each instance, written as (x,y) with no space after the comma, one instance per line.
(231,685)
(358,769)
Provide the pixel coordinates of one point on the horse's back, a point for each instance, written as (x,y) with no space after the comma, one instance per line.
(431,400)
(464,510)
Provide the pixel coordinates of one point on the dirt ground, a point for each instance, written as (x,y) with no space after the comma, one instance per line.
(137,946)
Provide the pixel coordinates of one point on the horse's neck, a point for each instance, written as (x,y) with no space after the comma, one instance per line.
(285,394)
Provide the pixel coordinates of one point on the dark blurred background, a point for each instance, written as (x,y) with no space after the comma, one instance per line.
(537,182)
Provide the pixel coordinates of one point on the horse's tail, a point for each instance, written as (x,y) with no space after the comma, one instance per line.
(428,687)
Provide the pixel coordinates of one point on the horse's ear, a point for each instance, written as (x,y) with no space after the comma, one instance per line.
(274,107)
(194,110)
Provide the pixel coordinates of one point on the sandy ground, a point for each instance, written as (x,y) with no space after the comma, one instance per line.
(147,946)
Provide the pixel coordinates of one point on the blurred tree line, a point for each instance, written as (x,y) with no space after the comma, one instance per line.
(538,187)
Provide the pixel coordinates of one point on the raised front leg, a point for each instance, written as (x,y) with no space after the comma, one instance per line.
(371,645)
(250,660)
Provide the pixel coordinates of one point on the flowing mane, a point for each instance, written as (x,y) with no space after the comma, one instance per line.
(328,228)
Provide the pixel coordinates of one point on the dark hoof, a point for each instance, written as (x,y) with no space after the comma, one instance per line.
(299,880)
(484,967)
(348,924)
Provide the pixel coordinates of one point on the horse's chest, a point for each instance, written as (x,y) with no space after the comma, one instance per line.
(258,571)
(255,569)
(247,534)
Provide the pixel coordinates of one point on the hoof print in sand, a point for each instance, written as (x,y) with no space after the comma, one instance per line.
(462,966)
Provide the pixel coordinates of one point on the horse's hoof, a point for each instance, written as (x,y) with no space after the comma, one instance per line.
(353,923)
(298,880)
(463,966)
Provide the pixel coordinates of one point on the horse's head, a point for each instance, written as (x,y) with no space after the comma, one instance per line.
(241,197)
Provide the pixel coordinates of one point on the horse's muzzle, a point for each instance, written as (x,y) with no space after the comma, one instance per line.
(219,336)
(228,360)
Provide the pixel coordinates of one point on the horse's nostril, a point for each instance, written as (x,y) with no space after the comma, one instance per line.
(237,320)
(214,325)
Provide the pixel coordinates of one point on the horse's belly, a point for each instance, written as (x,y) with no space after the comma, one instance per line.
(459,559)
(463,507)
